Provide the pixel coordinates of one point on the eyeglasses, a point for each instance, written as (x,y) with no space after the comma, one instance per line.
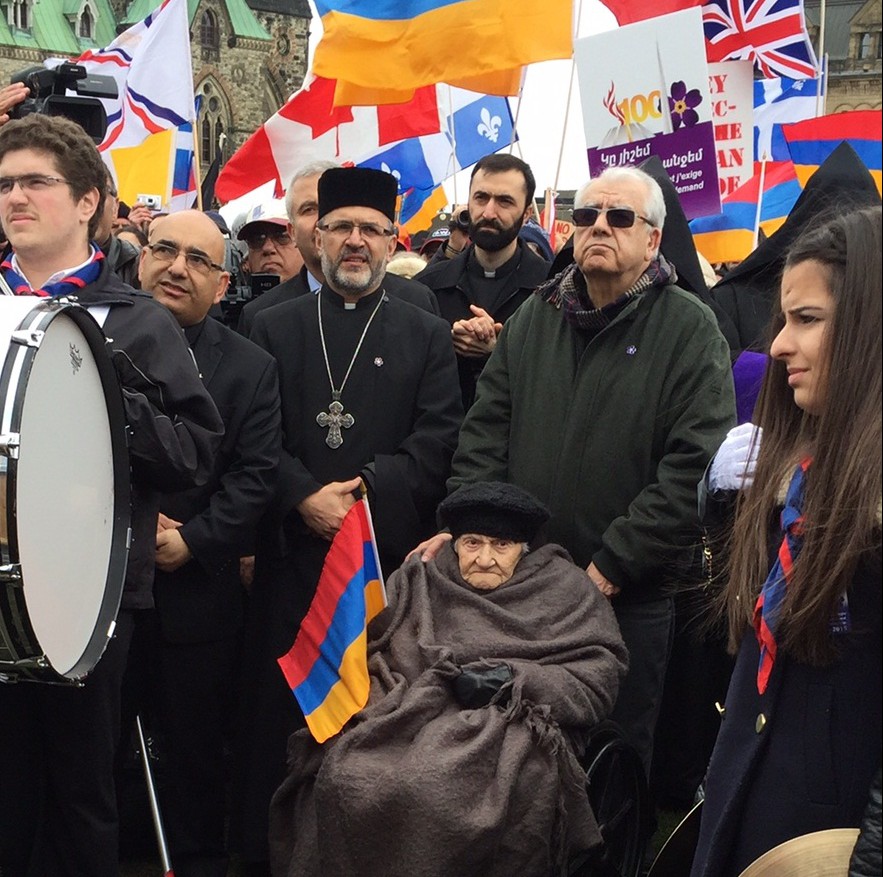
(256,240)
(195,261)
(29,183)
(368,230)
(617,217)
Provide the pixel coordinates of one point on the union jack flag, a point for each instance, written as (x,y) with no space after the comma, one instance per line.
(771,33)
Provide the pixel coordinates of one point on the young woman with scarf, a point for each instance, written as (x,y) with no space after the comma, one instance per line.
(800,739)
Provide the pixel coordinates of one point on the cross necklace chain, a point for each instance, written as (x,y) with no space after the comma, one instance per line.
(336,418)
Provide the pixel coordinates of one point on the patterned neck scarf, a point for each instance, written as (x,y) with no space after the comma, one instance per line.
(769,604)
(70,284)
(568,291)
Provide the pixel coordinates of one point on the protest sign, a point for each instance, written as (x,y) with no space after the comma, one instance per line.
(731,84)
(644,91)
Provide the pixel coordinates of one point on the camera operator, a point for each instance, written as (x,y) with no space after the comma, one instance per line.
(457,238)
(11,96)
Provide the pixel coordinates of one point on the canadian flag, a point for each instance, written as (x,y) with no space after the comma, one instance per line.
(309,128)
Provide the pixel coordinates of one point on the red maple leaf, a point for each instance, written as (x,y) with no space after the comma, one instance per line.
(314,106)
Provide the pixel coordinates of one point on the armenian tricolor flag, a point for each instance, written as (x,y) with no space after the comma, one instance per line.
(327,667)
(812,141)
(732,234)
(380,51)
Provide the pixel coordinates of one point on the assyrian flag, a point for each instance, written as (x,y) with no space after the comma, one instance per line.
(151,65)
(327,667)
(423,142)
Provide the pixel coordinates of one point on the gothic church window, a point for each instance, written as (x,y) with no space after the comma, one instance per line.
(87,22)
(18,14)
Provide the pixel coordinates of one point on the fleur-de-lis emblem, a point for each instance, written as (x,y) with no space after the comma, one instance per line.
(387,169)
(489,126)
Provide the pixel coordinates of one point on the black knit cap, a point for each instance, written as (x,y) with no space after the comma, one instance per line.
(493,508)
(358,187)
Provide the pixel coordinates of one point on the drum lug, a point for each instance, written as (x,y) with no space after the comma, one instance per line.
(28,337)
(9,445)
(10,574)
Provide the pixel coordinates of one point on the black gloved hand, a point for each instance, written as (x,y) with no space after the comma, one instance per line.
(475,688)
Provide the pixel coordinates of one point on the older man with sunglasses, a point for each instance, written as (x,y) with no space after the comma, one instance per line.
(272,249)
(606,396)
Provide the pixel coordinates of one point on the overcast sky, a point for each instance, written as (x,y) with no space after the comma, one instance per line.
(541,117)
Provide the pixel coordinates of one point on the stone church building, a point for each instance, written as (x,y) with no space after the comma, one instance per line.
(249,56)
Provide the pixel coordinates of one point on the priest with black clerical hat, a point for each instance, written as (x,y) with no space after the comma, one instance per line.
(370,395)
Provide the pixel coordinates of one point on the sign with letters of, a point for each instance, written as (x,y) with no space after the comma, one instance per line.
(731,84)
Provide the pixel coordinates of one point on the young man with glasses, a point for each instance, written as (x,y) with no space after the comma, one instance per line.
(369,395)
(607,394)
(57,743)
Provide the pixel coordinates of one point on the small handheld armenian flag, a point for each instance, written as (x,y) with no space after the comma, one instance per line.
(327,667)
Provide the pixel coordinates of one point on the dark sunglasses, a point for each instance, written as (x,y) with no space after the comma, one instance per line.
(617,217)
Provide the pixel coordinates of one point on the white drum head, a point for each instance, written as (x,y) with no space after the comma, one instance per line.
(64,494)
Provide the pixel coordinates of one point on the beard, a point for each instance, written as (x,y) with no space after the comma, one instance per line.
(352,283)
(491,235)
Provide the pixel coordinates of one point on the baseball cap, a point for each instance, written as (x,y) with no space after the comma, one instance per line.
(268,211)
(436,238)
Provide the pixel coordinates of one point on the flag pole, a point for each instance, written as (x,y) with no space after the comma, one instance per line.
(822,15)
(154,802)
(757,212)
(514,136)
(453,132)
(579,12)
(197,171)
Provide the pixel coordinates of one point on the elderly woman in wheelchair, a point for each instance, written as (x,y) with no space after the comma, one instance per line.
(488,669)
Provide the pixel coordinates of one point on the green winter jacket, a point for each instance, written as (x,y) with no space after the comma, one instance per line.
(613,436)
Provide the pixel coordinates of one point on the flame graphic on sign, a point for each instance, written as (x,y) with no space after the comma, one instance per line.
(610,103)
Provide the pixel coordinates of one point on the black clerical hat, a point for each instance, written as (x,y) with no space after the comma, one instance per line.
(493,508)
(358,187)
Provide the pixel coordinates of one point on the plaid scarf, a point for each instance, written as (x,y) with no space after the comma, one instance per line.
(569,291)
(71,284)
(768,608)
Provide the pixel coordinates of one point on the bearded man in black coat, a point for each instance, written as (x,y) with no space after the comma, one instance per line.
(370,395)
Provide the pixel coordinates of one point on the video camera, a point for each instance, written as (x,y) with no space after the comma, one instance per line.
(460,220)
(48,96)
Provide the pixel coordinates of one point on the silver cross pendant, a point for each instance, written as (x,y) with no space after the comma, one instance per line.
(334,420)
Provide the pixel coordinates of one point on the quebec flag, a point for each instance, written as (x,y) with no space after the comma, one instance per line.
(480,127)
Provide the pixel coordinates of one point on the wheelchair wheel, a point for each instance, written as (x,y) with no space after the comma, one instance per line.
(617,790)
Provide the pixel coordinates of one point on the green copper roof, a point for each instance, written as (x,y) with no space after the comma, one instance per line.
(52,31)
(242,18)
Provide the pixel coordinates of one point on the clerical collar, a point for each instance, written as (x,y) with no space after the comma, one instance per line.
(474,267)
(338,301)
(192,333)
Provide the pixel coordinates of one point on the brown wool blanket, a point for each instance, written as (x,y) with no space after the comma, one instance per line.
(415,785)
